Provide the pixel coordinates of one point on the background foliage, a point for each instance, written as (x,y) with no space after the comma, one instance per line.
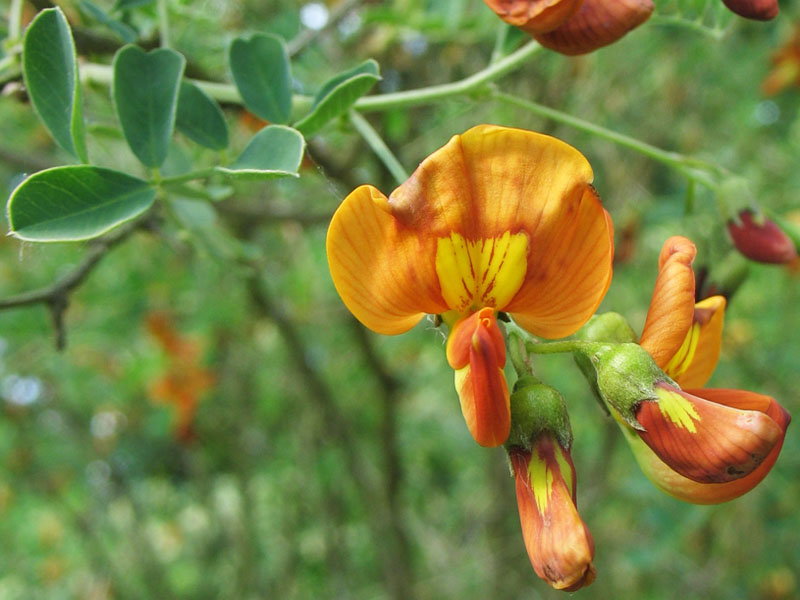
(218,430)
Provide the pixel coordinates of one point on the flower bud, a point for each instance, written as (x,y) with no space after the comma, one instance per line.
(760,239)
(534,16)
(559,544)
(607,327)
(597,23)
(759,10)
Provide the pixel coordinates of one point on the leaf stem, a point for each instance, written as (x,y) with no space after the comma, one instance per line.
(163,23)
(694,169)
(436,92)
(183,178)
(378,146)
(559,347)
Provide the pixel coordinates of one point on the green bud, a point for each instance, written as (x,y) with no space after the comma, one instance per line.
(607,327)
(626,376)
(537,408)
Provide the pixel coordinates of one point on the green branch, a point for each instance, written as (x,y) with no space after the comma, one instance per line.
(694,169)
(378,146)
(437,92)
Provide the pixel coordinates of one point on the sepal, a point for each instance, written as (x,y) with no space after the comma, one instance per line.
(626,376)
(536,409)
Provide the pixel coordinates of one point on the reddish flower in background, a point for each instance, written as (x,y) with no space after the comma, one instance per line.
(185,380)
(597,23)
(498,219)
(534,16)
(759,10)
(571,27)
(760,239)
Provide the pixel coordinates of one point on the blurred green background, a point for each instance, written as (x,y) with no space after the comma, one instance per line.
(318,460)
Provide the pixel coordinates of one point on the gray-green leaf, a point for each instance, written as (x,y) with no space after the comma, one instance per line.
(146,96)
(338,94)
(75,203)
(51,76)
(260,68)
(275,151)
(200,118)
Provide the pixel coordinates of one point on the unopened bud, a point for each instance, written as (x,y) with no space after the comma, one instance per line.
(759,10)
(607,327)
(760,239)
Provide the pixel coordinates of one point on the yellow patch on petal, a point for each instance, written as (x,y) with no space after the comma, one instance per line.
(566,469)
(679,363)
(677,409)
(487,272)
(709,315)
(541,482)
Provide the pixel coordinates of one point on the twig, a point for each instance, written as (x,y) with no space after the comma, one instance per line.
(307,36)
(338,432)
(56,296)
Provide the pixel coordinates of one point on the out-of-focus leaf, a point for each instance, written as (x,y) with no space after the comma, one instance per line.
(338,94)
(75,203)
(275,151)
(126,33)
(200,118)
(146,96)
(51,76)
(261,70)
(126,4)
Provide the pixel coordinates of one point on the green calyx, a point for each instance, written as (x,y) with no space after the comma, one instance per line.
(626,376)
(537,408)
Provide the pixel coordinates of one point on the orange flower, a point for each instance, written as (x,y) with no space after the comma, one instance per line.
(498,219)
(683,337)
(700,445)
(574,27)
(558,542)
(534,16)
(785,70)
(597,23)
(185,381)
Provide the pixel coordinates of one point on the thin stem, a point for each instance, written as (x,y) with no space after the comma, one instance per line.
(163,23)
(15,20)
(695,169)
(437,92)
(178,179)
(307,36)
(560,347)
(499,42)
(378,146)
(226,92)
(222,92)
